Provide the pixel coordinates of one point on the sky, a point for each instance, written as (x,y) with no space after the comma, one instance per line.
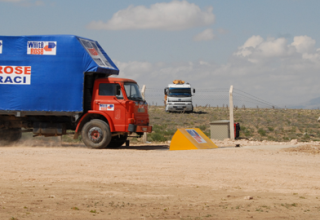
(267,49)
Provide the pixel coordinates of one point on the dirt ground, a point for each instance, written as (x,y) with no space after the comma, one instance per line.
(151,182)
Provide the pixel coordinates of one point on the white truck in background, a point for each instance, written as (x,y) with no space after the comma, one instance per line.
(178,97)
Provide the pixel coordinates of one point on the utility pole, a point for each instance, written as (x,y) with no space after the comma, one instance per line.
(231,113)
(143,90)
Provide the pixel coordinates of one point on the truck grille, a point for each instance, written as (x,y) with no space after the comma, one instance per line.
(180,101)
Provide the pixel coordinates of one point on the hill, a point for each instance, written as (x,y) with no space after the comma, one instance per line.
(311,104)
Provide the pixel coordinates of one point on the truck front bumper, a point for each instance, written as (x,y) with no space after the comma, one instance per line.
(179,108)
(139,128)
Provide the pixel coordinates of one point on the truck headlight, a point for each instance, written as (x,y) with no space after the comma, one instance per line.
(189,103)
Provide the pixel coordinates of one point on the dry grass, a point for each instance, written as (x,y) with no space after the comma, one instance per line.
(256,124)
(310,149)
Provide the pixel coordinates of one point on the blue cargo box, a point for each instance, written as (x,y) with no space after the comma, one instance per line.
(46,73)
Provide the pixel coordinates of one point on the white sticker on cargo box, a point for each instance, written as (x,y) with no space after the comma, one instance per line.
(15,75)
(0,46)
(196,136)
(95,53)
(42,47)
(106,107)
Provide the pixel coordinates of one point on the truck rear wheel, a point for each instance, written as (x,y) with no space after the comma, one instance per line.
(10,135)
(96,134)
(118,141)
(15,134)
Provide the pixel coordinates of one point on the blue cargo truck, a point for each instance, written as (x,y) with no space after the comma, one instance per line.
(54,83)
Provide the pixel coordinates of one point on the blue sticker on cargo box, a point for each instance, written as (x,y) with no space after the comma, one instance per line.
(196,136)
(106,107)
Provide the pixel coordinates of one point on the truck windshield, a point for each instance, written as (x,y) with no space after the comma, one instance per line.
(180,92)
(133,92)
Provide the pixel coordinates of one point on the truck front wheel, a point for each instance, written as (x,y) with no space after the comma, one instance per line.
(96,134)
(118,141)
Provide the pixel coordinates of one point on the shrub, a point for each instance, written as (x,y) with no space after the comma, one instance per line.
(262,132)
(245,131)
(207,133)
(157,137)
(270,138)
(271,129)
(203,127)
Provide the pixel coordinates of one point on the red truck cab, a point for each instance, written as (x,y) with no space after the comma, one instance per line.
(117,109)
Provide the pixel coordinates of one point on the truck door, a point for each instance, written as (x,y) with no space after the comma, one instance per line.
(110,100)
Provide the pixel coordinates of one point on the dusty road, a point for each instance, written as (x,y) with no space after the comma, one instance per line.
(154,183)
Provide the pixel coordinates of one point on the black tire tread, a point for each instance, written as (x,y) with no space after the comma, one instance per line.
(106,134)
(10,135)
(117,142)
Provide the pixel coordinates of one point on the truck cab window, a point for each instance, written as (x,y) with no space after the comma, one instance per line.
(110,89)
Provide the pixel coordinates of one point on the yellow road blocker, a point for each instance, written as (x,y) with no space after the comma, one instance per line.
(190,139)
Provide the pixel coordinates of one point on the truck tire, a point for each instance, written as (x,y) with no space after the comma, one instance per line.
(10,135)
(15,134)
(117,141)
(191,110)
(96,134)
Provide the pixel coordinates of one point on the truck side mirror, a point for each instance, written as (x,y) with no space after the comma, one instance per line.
(194,90)
(166,91)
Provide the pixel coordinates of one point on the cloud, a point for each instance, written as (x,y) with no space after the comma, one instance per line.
(257,49)
(135,68)
(205,35)
(175,15)
(282,74)
(273,47)
(303,44)
(249,46)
